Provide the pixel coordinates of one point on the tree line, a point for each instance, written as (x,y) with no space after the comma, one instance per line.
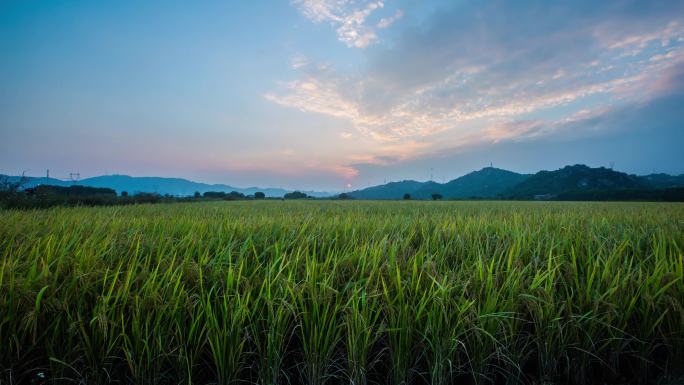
(13,195)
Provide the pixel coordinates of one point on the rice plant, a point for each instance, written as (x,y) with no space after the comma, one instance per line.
(332,292)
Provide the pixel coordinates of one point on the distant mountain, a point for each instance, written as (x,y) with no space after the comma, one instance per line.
(171,186)
(489,182)
(571,182)
(392,190)
(663,180)
(578,181)
(486,183)
(549,184)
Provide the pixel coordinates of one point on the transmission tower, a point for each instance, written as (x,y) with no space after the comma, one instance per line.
(74,176)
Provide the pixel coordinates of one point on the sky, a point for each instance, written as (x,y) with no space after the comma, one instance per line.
(338,94)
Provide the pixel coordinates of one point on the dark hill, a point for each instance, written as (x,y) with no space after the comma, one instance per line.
(577,178)
(489,182)
(392,190)
(663,180)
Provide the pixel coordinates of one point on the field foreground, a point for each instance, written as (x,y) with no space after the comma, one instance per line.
(341,292)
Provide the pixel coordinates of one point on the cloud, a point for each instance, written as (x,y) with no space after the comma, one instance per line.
(349,19)
(393,152)
(385,22)
(429,111)
(639,41)
(320,91)
(472,63)
(347,172)
(486,74)
(298,61)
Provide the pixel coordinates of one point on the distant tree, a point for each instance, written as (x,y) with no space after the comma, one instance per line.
(436,197)
(215,194)
(124,193)
(295,195)
(197,195)
(407,196)
(234,196)
(259,195)
(9,185)
(146,197)
(11,194)
(344,196)
(75,190)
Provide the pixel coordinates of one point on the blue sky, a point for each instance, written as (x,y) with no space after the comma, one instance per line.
(325,94)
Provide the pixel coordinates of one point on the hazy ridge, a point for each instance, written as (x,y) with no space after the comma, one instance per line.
(488,183)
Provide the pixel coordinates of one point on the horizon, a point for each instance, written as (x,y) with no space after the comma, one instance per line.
(334,95)
(331,191)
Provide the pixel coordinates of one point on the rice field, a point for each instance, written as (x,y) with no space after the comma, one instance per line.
(343,292)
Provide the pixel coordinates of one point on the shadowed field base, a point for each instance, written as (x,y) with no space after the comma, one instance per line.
(331,292)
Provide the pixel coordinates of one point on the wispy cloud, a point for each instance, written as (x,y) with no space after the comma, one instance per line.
(298,61)
(385,22)
(465,71)
(639,41)
(427,111)
(349,18)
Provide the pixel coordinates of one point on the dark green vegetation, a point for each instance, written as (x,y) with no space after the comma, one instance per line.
(340,292)
(576,182)
(45,196)
(664,180)
(573,178)
(13,196)
(295,195)
(487,183)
